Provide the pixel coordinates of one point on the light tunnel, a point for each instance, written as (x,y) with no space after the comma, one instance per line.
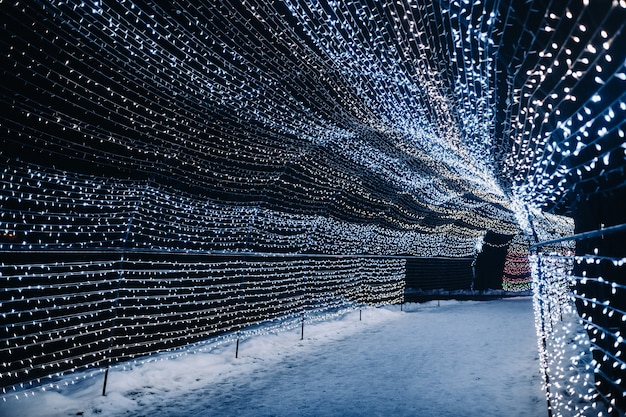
(174,172)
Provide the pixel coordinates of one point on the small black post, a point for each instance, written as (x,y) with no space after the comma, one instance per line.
(401,305)
(302,332)
(106,376)
(237,347)
(359,314)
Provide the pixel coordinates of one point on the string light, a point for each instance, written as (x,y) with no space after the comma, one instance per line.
(63,317)
(167,169)
(554,158)
(516,274)
(570,340)
(171,160)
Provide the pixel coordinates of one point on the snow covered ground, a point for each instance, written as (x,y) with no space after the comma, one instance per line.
(458,358)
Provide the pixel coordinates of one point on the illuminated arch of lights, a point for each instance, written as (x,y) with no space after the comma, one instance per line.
(174,172)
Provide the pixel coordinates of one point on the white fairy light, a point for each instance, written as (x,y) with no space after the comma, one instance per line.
(275,129)
(198,107)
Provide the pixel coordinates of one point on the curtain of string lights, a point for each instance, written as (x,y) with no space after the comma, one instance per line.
(516,273)
(580,330)
(174,172)
(564,124)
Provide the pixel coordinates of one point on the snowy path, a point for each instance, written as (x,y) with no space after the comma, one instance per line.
(460,359)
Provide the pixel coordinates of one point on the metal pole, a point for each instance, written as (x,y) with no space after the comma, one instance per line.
(581,236)
(104,386)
